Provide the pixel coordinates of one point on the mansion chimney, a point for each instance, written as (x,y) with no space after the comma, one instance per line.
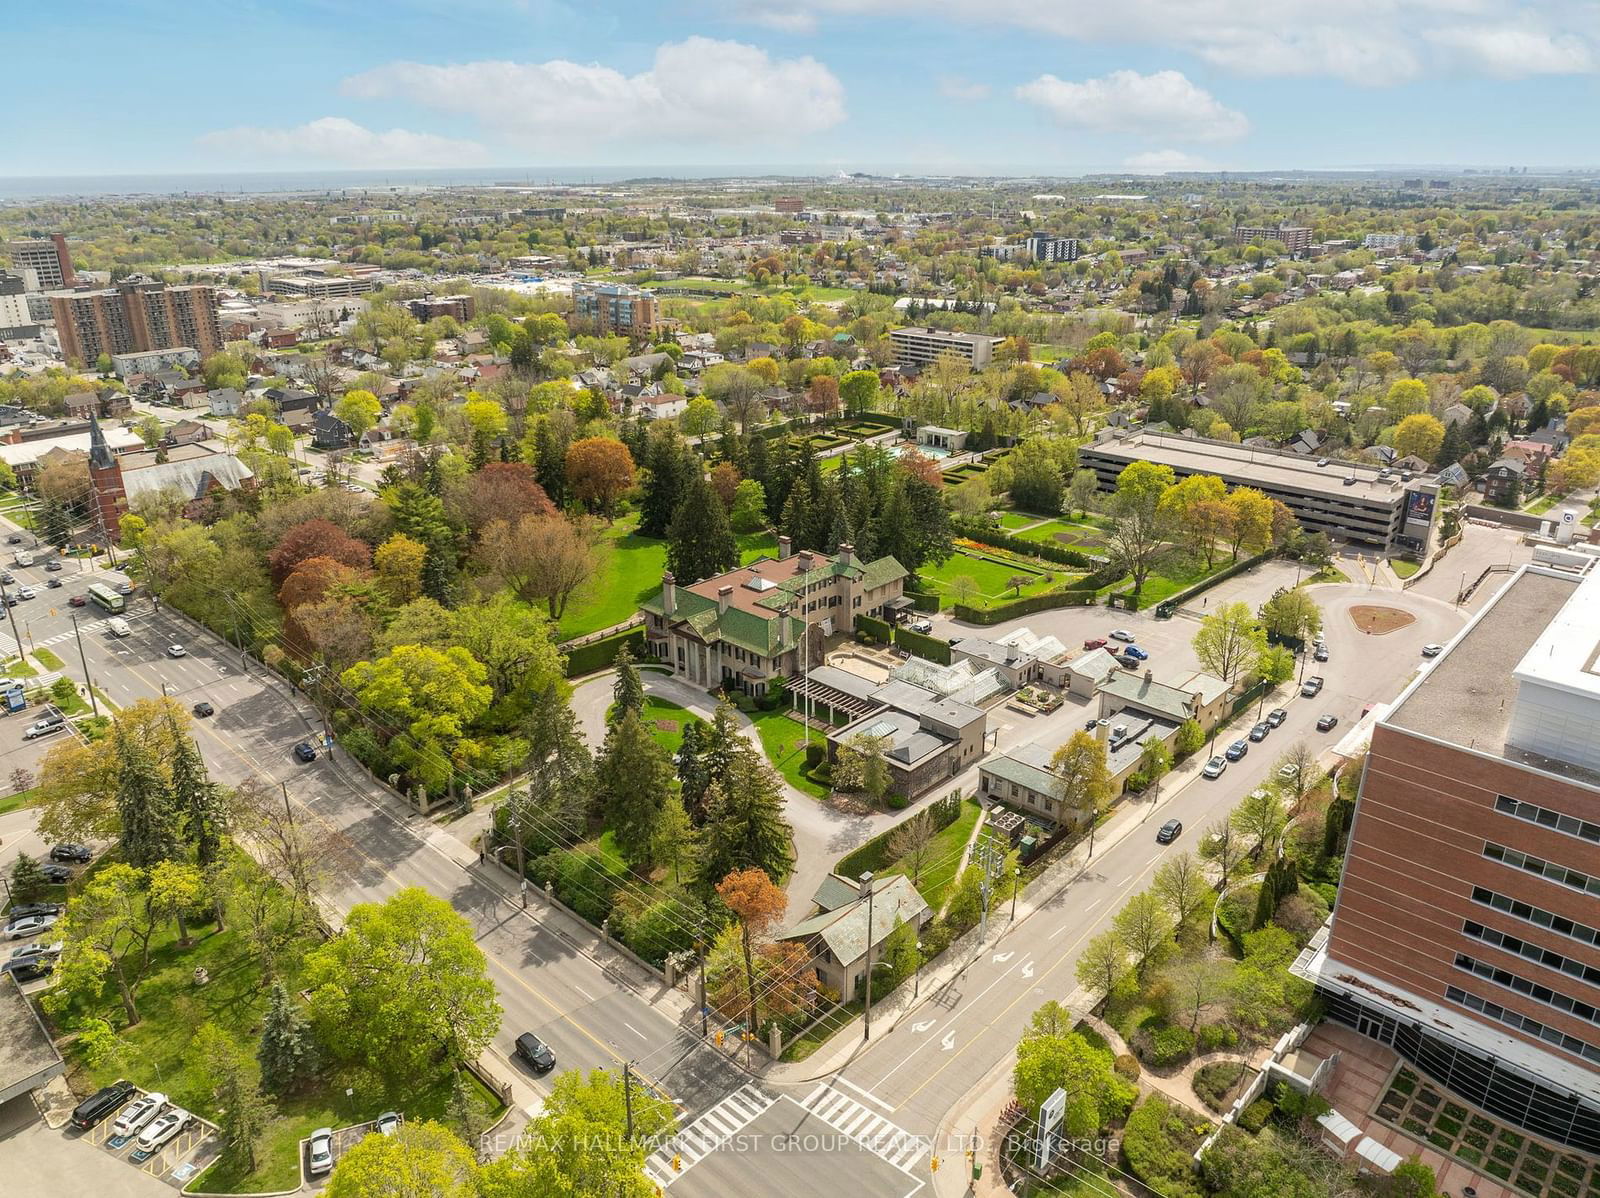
(724,597)
(669,593)
(785,548)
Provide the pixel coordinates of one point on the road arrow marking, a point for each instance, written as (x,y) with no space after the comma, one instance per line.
(949,1041)
(1027,970)
(922,1025)
(1002,958)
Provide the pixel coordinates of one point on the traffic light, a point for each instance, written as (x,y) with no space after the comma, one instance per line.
(719,1038)
(933,1165)
(677,1163)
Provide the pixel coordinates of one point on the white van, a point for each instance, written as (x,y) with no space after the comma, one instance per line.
(118,626)
(24,559)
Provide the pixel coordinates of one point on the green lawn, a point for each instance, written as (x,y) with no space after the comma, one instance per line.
(157,1052)
(48,659)
(1177,573)
(1013,521)
(948,842)
(1404,568)
(657,711)
(1541,505)
(784,742)
(992,576)
(15,802)
(631,573)
(821,1032)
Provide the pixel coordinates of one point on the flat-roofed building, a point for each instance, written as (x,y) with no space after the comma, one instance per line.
(616,308)
(1295,238)
(138,314)
(49,260)
(1367,504)
(922,347)
(319,286)
(1467,929)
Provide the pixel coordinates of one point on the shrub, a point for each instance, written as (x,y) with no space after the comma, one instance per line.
(1214,1082)
(598,655)
(875,629)
(936,937)
(1254,1117)
(923,645)
(1169,1046)
(664,927)
(896,801)
(1158,1145)
(1214,1037)
(1127,1065)
(581,879)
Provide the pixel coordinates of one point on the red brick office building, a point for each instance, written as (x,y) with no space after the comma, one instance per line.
(1467,929)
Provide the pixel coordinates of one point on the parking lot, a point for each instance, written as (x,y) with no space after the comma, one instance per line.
(36,1159)
(177,1162)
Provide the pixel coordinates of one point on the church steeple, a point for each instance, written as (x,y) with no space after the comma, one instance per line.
(99,452)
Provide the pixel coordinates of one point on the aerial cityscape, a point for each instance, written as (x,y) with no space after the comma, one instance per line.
(744,598)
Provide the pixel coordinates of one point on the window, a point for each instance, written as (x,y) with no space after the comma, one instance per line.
(1546,818)
(1532,1027)
(1545,869)
(1527,987)
(1532,952)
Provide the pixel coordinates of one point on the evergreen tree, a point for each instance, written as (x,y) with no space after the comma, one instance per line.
(744,824)
(693,776)
(28,882)
(627,692)
(701,542)
(198,801)
(550,812)
(671,468)
(797,515)
(633,777)
(287,1052)
(145,809)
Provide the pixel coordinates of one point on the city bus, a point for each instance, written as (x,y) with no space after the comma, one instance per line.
(107,598)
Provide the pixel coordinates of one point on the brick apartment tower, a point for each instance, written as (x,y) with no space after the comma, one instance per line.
(1467,929)
(135,316)
(106,489)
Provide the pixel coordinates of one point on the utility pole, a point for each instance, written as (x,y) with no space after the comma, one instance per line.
(627,1094)
(866,893)
(700,951)
(83,657)
(986,849)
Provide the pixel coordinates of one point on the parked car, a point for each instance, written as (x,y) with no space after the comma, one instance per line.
(100,1104)
(319,1152)
(1095,642)
(1276,716)
(1325,723)
(30,969)
(30,951)
(167,1124)
(14,539)
(536,1053)
(137,1113)
(22,909)
(922,626)
(79,853)
(1288,771)
(1432,650)
(56,874)
(1312,686)
(387,1123)
(7,577)
(1136,653)
(304,752)
(1122,634)
(204,709)
(1214,767)
(1320,654)
(41,728)
(1237,750)
(26,593)
(30,925)
(77,601)
(1259,732)
(1169,831)
(176,651)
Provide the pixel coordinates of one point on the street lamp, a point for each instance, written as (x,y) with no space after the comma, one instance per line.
(916,976)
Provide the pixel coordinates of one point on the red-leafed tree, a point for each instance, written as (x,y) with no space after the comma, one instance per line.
(922,467)
(316,538)
(599,471)
(502,491)
(725,482)
(1104,363)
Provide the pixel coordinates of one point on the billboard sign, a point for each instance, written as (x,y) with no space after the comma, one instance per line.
(1419,507)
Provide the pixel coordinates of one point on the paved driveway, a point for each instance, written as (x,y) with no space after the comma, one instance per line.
(40,1161)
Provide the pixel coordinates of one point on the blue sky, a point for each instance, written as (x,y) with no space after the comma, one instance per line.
(1047,86)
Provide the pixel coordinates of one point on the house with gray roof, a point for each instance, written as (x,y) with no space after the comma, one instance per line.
(837,934)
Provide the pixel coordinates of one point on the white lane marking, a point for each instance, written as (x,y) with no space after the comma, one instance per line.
(870,1097)
(584,992)
(635,1030)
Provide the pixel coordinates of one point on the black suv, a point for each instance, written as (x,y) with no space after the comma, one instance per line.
(536,1053)
(22,909)
(100,1104)
(79,853)
(1170,831)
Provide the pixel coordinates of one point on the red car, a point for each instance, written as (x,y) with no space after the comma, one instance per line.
(1095,642)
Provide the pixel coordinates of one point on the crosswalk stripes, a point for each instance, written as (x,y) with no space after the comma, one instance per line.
(706,1133)
(865,1126)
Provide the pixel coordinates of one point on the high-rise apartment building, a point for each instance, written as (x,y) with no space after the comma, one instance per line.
(1047,247)
(617,309)
(922,347)
(48,258)
(1467,929)
(15,322)
(1295,238)
(137,314)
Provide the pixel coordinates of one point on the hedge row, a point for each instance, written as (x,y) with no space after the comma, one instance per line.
(984,533)
(923,645)
(597,655)
(880,631)
(874,855)
(1082,593)
(924,600)
(1205,584)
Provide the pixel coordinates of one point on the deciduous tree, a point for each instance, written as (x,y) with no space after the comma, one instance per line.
(421,1160)
(1139,532)
(1229,641)
(429,699)
(542,559)
(599,471)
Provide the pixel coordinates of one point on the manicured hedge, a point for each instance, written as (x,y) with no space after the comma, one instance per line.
(880,631)
(597,655)
(923,601)
(987,535)
(1066,597)
(1205,584)
(923,645)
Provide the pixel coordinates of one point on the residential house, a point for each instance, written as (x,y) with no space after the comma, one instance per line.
(186,432)
(1457,415)
(1307,441)
(846,935)
(1502,482)
(1037,402)
(329,432)
(1184,699)
(655,404)
(224,401)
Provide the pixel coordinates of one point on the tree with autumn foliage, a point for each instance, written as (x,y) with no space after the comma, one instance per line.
(725,482)
(316,538)
(822,394)
(500,491)
(542,559)
(773,972)
(599,472)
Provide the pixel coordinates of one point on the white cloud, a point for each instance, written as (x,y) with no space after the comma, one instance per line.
(1164,104)
(1370,42)
(957,88)
(698,89)
(1159,162)
(1515,53)
(337,139)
